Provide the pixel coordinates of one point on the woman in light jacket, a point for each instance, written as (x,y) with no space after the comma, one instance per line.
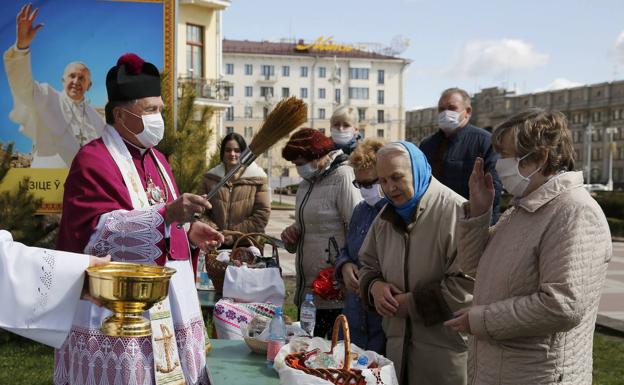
(325,201)
(540,269)
(409,273)
(242,204)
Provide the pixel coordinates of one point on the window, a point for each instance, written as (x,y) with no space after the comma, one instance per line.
(380,133)
(381,76)
(322,72)
(596,116)
(265,112)
(248,112)
(195,51)
(338,72)
(304,72)
(322,130)
(358,73)
(285,92)
(337,96)
(268,71)
(248,132)
(248,69)
(321,93)
(266,92)
(229,69)
(380,97)
(248,91)
(286,71)
(380,116)
(616,114)
(358,93)
(361,114)
(229,114)
(321,113)
(303,93)
(229,90)
(229,130)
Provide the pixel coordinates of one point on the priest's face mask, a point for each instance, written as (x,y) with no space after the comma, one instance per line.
(141,121)
(76,80)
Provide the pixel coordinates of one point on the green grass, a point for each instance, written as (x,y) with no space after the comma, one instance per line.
(278,205)
(29,363)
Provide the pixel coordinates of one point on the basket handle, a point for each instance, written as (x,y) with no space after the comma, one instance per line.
(341,320)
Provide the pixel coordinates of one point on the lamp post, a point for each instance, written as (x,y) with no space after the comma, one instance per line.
(588,140)
(611,131)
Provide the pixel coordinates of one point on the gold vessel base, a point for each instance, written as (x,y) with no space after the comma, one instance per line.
(126,325)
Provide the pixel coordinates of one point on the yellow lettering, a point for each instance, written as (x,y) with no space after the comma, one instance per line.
(324,44)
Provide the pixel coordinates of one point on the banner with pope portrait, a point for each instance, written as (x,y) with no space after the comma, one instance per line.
(52,85)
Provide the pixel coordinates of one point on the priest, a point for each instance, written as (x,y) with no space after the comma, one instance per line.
(57,122)
(121,199)
(42,288)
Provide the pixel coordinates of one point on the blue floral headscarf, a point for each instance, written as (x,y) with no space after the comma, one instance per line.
(421,176)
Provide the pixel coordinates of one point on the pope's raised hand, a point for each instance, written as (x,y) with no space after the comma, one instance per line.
(481,190)
(184,208)
(25,30)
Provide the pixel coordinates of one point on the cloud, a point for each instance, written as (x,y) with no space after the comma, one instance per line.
(559,84)
(494,58)
(619,49)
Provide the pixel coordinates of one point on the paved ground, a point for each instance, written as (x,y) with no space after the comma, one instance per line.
(611,304)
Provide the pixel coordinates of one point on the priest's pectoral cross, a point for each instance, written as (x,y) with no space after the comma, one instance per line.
(167,348)
(81,138)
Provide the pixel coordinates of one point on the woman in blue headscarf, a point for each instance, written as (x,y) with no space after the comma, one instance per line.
(408,273)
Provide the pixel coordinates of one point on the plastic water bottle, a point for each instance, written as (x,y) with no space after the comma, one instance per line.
(277,336)
(307,316)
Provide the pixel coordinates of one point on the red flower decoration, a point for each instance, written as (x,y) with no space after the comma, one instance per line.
(325,286)
(132,62)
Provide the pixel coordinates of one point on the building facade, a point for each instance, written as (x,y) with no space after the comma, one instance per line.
(199,59)
(595,116)
(263,73)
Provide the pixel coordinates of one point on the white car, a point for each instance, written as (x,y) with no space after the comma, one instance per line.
(596,187)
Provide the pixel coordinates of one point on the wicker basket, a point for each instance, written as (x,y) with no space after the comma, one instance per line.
(216,269)
(335,376)
(256,345)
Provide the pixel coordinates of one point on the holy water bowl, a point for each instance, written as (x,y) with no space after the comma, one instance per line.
(128,290)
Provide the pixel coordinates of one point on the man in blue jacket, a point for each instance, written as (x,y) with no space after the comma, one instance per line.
(453,150)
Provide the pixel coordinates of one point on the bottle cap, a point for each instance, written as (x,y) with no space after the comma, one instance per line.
(309,297)
(278,310)
(362,360)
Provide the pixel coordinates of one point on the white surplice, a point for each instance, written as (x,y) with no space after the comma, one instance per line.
(39,290)
(57,125)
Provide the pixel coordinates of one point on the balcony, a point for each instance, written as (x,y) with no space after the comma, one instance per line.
(209,92)
(214,4)
(267,79)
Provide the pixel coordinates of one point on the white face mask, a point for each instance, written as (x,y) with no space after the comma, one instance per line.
(153,129)
(306,171)
(509,174)
(371,195)
(448,120)
(342,136)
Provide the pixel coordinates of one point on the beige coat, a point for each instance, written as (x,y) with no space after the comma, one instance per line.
(242,204)
(419,260)
(538,281)
(323,210)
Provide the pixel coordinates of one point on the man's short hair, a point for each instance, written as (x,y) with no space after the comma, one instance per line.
(110,106)
(456,90)
(68,66)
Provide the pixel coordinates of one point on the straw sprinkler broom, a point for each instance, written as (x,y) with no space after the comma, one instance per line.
(287,115)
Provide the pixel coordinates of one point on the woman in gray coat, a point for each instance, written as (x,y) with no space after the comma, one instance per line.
(325,201)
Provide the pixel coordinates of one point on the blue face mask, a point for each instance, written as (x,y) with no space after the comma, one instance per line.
(306,171)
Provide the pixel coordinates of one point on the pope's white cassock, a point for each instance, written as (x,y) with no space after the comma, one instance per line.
(39,290)
(57,125)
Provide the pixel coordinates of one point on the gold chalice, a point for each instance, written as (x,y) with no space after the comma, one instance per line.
(128,289)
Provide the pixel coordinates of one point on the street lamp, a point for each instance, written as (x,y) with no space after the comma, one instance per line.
(588,140)
(611,131)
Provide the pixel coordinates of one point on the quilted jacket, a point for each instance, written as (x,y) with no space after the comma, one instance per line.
(539,274)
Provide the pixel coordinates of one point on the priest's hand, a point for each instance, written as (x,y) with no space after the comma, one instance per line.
(25,30)
(205,237)
(93,261)
(384,297)
(183,209)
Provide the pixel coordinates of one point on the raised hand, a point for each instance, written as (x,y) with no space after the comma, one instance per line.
(184,208)
(481,190)
(25,30)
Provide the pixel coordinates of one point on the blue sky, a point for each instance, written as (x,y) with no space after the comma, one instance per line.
(94,32)
(526,45)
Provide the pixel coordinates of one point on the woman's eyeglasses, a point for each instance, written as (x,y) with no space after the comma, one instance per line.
(366,185)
